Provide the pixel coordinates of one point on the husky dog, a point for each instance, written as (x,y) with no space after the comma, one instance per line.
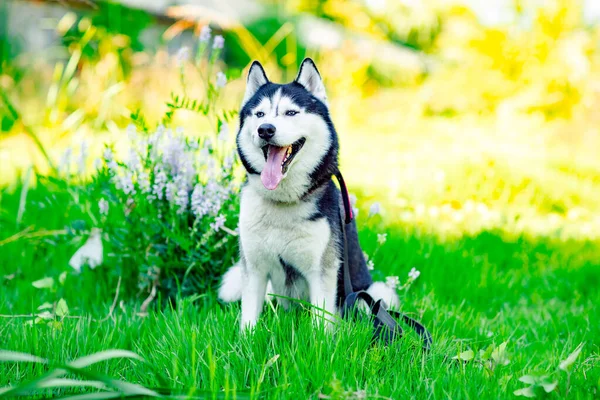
(290,228)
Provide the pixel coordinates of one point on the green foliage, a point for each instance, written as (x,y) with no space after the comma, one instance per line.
(9,45)
(505,244)
(288,53)
(114,24)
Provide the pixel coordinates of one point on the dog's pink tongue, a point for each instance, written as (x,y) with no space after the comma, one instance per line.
(271,175)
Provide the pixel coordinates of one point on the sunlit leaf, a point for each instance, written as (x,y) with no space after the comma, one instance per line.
(61,308)
(465,356)
(63,382)
(529,379)
(45,306)
(94,396)
(567,364)
(487,353)
(499,354)
(62,277)
(103,356)
(44,315)
(526,392)
(7,355)
(44,283)
(272,361)
(549,387)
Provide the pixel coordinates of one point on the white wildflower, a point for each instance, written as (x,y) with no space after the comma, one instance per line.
(108,154)
(65,161)
(219,222)
(375,209)
(160,181)
(353,199)
(414,273)
(133,162)
(174,154)
(153,142)
(131,132)
(97,163)
(218,42)
(381,238)
(83,153)
(181,196)
(194,145)
(221,79)
(212,169)
(144,182)
(224,132)
(103,206)
(392,282)
(370,265)
(109,159)
(183,55)
(205,34)
(228,163)
(125,183)
(198,202)
(170,191)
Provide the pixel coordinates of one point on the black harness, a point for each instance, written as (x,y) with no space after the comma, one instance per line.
(385,322)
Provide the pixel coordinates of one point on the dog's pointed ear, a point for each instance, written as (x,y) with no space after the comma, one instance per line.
(256,78)
(309,77)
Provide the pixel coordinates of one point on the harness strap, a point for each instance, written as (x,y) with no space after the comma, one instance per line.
(348,215)
(385,326)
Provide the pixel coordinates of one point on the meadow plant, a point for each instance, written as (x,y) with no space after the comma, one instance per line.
(169,210)
(167,206)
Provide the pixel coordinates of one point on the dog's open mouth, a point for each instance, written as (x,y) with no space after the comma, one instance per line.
(278,161)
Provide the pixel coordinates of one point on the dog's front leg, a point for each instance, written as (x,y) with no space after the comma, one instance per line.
(323,287)
(253,297)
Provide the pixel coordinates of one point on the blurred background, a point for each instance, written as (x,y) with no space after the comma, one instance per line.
(446,109)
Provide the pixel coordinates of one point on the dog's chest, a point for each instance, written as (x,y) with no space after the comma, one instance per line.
(271,233)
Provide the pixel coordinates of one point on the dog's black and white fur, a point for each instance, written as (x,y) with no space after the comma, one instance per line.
(291,241)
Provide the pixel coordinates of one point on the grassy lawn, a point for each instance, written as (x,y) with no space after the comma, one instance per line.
(502,260)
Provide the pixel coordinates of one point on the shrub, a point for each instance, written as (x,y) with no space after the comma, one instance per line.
(168,210)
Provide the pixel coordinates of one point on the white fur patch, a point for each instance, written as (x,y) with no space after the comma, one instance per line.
(231,285)
(379,290)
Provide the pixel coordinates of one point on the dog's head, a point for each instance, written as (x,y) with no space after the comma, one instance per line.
(286,140)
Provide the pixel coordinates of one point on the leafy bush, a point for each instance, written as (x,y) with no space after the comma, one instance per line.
(167,212)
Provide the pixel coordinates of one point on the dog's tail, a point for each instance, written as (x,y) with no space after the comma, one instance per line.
(231,285)
(379,290)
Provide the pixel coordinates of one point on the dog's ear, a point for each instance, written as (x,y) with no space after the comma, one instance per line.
(256,78)
(309,77)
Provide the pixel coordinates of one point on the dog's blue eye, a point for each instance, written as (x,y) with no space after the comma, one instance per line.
(260,114)
(291,113)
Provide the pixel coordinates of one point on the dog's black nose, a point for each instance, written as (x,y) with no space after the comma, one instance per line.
(266,131)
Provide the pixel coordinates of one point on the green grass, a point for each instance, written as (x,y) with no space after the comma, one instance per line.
(480,284)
